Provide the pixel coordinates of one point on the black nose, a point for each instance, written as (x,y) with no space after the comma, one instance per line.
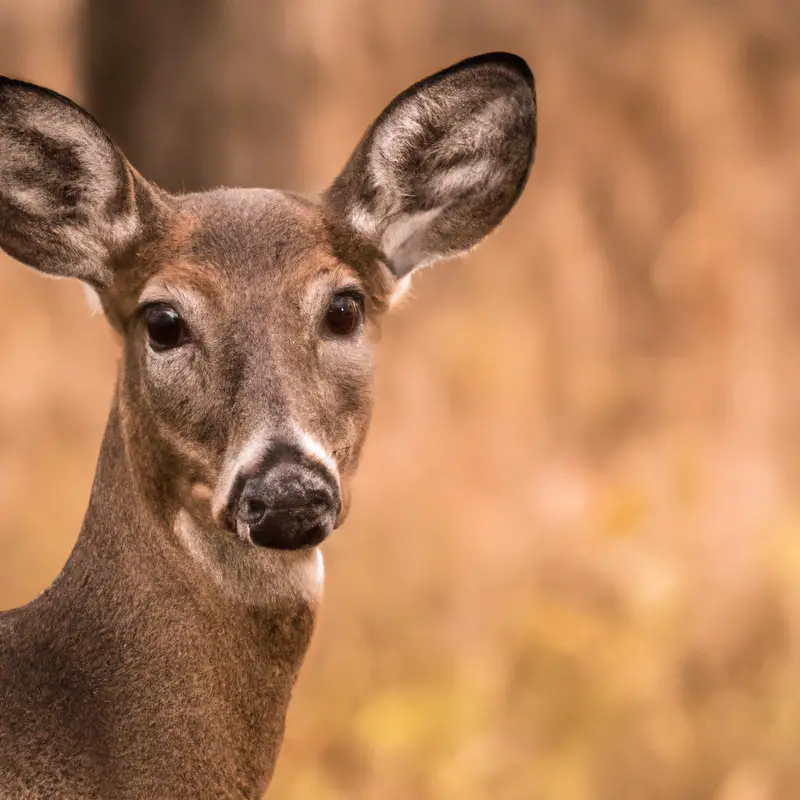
(289,506)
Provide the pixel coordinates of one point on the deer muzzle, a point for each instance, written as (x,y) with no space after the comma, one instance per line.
(287,503)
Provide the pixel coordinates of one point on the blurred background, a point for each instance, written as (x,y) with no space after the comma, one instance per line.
(583,579)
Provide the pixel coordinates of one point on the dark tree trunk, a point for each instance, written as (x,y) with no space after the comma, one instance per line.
(198,93)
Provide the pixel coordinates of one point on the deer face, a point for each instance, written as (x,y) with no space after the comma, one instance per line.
(248,350)
(244,395)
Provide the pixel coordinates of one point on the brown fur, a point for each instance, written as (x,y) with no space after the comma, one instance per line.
(161,661)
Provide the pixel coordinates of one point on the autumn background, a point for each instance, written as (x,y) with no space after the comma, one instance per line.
(572,571)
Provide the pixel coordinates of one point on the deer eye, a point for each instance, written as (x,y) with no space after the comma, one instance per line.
(345,314)
(165,328)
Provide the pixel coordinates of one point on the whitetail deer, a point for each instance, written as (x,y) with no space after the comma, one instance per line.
(161,661)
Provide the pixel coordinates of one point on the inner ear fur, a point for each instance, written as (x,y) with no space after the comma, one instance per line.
(70,203)
(443,164)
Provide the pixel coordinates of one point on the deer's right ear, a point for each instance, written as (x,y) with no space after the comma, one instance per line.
(68,202)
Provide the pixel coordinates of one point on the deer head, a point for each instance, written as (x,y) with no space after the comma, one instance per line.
(246,314)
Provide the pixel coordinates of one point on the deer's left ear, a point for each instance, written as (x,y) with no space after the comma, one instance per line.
(68,197)
(443,164)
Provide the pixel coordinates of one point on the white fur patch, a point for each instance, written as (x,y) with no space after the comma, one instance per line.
(311,447)
(401,290)
(457,180)
(363,221)
(319,569)
(92,299)
(247,458)
(403,239)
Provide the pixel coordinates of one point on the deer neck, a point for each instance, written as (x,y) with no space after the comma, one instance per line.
(193,680)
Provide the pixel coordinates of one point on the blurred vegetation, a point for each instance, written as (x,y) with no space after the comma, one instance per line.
(573,566)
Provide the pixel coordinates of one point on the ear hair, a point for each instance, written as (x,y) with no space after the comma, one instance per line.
(443,164)
(68,199)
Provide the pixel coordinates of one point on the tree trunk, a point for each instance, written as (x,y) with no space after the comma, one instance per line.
(198,93)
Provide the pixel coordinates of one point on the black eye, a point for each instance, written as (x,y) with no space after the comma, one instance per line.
(344,314)
(165,328)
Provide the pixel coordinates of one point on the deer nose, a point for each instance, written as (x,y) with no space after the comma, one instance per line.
(289,507)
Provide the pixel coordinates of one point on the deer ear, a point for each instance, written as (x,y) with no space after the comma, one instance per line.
(67,195)
(443,164)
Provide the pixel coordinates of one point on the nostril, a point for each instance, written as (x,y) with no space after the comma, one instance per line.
(253,511)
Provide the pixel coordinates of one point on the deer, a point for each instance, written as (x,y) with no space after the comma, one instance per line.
(161,661)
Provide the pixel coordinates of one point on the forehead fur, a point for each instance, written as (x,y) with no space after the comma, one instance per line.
(242,235)
(242,231)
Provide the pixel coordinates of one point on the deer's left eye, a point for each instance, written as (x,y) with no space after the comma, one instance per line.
(345,314)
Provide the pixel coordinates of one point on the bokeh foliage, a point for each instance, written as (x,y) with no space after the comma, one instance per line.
(573,567)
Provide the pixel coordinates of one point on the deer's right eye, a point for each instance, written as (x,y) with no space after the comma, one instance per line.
(165,328)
